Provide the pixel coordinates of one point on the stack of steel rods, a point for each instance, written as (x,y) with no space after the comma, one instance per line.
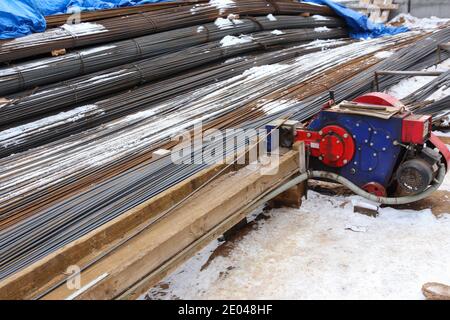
(430,100)
(27,75)
(114,80)
(125,27)
(362,83)
(31,135)
(86,16)
(126,144)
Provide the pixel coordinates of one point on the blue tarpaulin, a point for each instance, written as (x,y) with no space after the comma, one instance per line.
(359,25)
(21,17)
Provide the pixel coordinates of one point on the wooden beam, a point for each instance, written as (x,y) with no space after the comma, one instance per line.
(147,256)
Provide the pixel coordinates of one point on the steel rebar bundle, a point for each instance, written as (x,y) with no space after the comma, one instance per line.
(32,180)
(32,135)
(111,81)
(28,75)
(109,30)
(429,99)
(86,16)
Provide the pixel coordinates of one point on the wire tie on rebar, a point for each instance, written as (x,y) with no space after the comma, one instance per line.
(154,25)
(80,56)
(141,75)
(73,35)
(73,88)
(138,47)
(21,78)
(254,20)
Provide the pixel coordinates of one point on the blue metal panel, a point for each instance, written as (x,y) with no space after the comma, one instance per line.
(376,155)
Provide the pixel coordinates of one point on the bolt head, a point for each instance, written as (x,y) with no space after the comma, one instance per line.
(308,135)
(345,161)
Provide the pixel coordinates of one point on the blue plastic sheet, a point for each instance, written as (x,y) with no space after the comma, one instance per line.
(360,27)
(21,17)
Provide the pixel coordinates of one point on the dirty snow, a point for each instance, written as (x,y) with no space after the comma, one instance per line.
(409,85)
(415,23)
(322,251)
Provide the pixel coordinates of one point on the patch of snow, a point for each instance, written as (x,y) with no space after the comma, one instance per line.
(322,29)
(85,28)
(222,5)
(278,106)
(440,94)
(271,17)
(277,32)
(232,40)
(414,23)
(383,54)
(200,29)
(223,23)
(309,253)
(409,85)
(318,17)
(96,49)
(13,135)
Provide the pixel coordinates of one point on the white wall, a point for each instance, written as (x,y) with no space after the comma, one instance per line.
(425,8)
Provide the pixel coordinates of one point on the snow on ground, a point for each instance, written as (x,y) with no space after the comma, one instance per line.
(412,84)
(414,23)
(322,251)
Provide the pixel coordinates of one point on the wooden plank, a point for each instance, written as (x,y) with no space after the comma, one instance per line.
(187,224)
(43,274)
(384,14)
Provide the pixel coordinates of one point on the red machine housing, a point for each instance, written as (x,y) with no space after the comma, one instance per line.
(338,144)
(333,145)
(416,129)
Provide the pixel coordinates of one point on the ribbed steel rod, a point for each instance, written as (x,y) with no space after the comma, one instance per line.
(109,30)
(114,80)
(27,75)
